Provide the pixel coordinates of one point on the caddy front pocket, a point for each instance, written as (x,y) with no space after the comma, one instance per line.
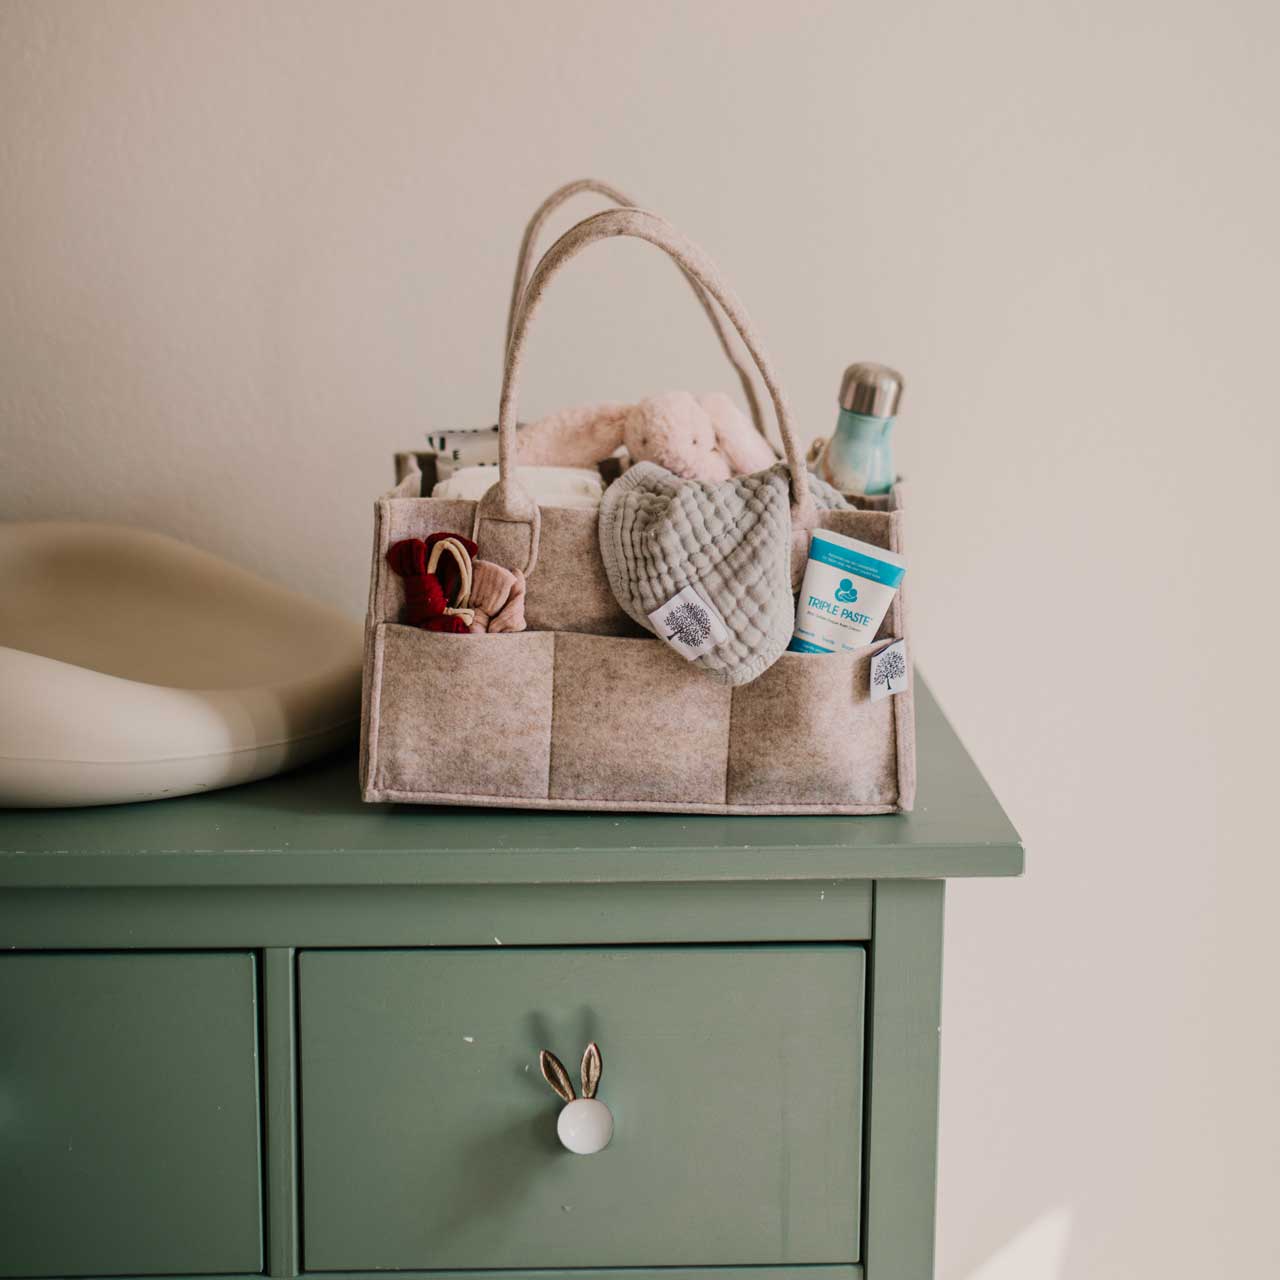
(807,733)
(461,715)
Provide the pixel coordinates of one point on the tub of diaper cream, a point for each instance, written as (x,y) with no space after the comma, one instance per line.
(847,590)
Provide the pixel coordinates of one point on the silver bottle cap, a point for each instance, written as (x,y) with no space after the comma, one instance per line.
(871,389)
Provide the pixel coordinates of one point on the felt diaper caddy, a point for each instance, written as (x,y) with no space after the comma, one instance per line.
(586,708)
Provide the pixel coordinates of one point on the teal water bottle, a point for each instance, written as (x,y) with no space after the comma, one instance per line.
(858,458)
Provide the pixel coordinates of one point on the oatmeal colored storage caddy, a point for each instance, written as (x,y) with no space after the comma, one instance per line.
(585,710)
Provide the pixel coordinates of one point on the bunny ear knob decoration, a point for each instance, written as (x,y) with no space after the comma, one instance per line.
(585,1124)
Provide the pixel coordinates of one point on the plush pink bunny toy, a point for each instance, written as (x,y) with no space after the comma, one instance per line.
(703,437)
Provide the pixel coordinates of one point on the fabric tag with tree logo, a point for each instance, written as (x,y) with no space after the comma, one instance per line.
(889,671)
(689,624)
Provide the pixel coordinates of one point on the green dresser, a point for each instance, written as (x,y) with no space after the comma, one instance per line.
(129,1114)
(273,1031)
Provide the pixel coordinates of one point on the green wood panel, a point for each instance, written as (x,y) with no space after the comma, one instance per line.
(450,915)
(280,1094)
(850,1272)
(311,828)
(129,1130)
(905,1013)
(734,1075)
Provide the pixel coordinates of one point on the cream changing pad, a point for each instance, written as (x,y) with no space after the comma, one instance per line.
(133,666)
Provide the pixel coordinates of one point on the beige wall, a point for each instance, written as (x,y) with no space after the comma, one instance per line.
(248,249)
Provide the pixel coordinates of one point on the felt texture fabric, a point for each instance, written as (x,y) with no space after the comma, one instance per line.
(807,732)
(463,712)
(605,706)
(557,721)
(568,591)
(730,542)
(447,624)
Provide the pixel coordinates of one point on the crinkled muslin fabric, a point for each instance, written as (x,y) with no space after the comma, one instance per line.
(730,541)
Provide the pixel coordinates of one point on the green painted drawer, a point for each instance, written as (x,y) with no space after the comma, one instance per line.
(429,1136)
(128,1115)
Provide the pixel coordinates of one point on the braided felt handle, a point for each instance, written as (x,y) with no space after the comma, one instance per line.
(524,265)
(508,501)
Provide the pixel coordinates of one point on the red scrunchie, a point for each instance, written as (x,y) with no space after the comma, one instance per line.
(426,594)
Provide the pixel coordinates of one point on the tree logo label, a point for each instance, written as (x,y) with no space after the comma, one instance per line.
(689,624)
(889,671)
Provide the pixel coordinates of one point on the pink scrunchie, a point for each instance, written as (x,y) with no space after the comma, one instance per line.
(497,596)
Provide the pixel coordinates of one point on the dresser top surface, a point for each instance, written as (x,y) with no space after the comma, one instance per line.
(310,827)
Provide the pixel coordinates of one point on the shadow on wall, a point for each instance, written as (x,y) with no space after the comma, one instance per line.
(1037,1252)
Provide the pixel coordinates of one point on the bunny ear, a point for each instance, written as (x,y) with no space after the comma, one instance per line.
(744,448)
(591,1068)
(557,1077)
(577,437)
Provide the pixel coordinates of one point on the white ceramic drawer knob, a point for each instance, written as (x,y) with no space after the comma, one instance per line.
(585,1124)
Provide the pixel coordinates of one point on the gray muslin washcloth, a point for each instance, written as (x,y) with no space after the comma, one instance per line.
(673,546)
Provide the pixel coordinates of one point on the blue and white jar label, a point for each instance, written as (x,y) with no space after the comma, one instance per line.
(847,589)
